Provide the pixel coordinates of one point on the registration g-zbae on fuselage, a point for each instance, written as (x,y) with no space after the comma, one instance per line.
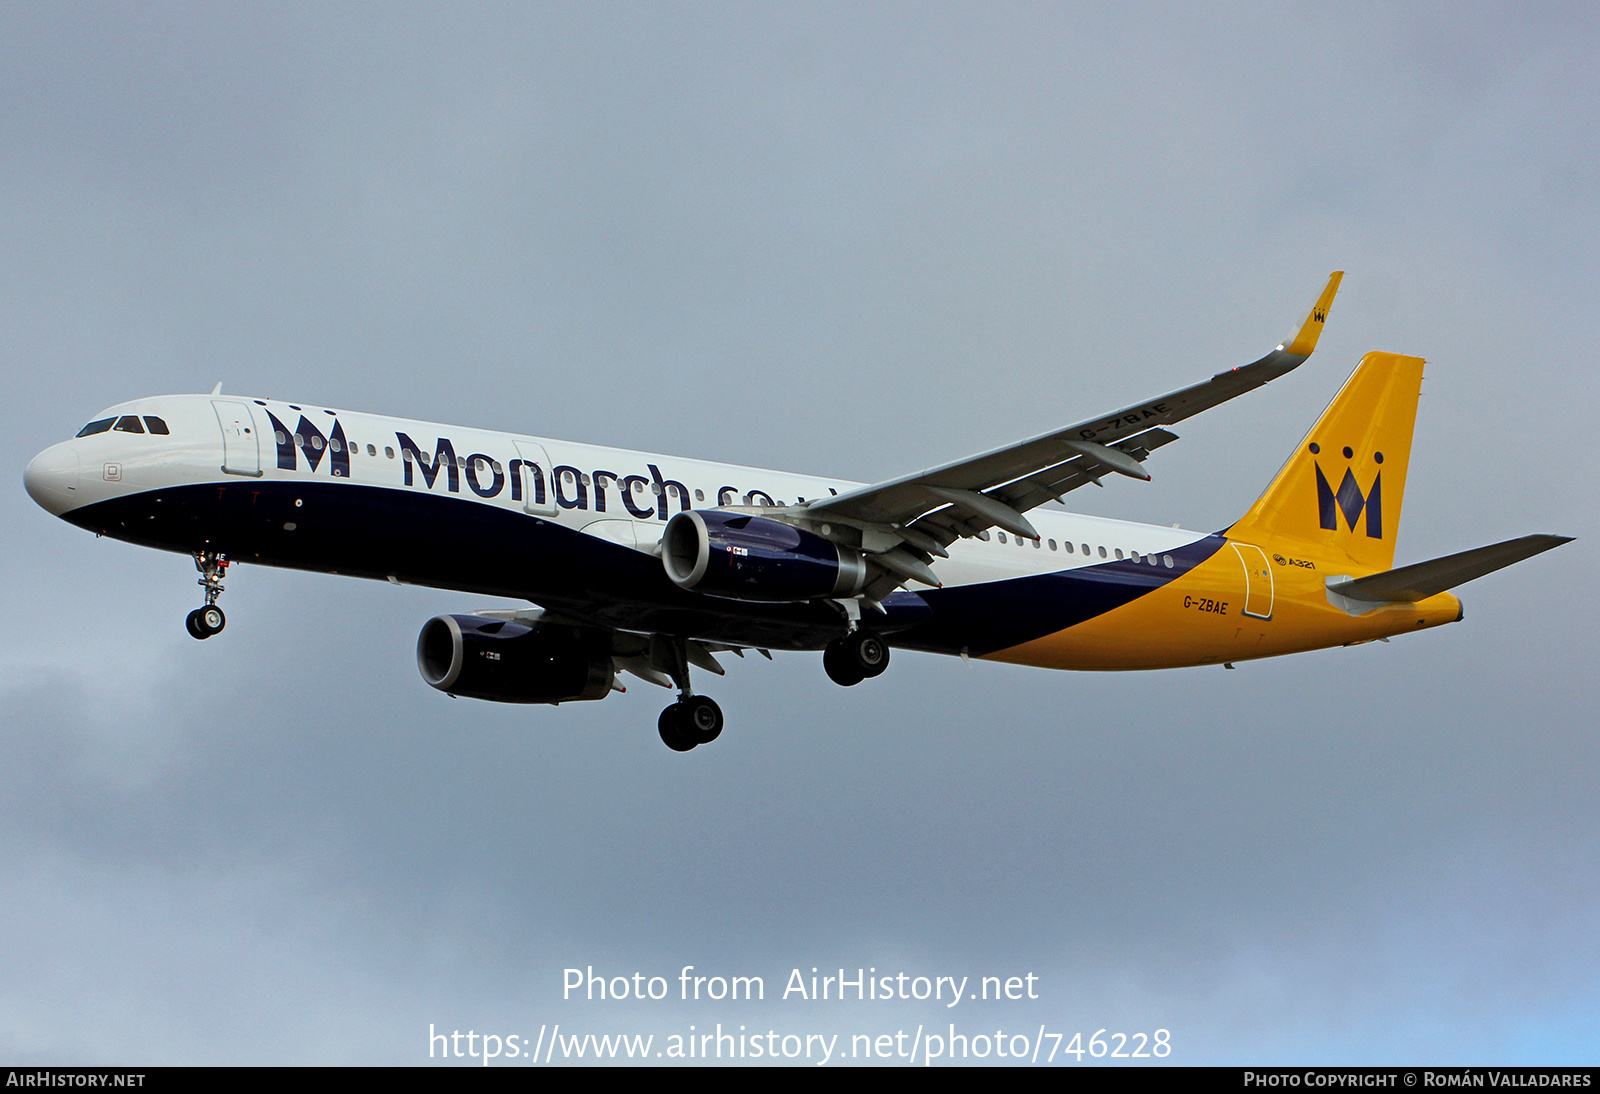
(652,565)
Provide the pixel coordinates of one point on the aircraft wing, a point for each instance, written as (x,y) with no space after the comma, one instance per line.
(996,488)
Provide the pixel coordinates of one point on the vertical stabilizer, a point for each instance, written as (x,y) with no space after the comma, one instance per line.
(1339,495)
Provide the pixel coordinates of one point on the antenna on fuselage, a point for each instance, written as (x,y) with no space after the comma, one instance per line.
(218,389)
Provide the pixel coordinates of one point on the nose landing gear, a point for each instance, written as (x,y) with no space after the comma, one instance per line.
(209,620)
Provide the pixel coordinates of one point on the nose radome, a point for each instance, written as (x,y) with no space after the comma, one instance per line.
(52,478)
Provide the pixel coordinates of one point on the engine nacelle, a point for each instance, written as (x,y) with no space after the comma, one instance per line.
(509,662)
(754,558)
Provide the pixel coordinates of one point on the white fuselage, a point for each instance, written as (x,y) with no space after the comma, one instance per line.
(617,495)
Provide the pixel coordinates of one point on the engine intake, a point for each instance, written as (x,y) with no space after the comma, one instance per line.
(753,558)
(510,662)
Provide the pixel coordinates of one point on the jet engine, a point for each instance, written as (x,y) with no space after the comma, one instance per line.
(509,662)
(753,558)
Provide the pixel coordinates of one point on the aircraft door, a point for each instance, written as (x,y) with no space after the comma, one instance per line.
(241,441)
(538,481)
(1258,583)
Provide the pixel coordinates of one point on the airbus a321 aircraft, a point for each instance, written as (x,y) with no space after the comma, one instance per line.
(651,565)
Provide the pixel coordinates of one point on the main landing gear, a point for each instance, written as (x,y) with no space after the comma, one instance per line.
(694,719)
(854,657)
(209,620)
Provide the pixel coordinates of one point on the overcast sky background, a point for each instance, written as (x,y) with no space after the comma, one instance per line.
(852,240)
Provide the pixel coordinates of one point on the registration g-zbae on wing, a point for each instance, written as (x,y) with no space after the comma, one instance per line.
(653,565)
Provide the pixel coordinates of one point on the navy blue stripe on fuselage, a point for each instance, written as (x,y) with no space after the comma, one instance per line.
(422,538)
(439,540)
(998,615)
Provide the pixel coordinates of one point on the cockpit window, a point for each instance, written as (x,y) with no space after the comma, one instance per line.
(128,423)
(156,425)
(94,427)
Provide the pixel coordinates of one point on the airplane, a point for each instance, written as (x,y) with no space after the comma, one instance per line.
(652,565)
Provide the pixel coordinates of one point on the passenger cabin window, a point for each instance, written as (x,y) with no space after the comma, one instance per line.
(1102,552)
(99,426)
(156,425)
(128,423)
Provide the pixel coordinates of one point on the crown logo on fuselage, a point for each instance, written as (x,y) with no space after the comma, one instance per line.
(308,440)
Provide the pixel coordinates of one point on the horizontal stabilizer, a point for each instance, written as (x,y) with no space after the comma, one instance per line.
(1410,584)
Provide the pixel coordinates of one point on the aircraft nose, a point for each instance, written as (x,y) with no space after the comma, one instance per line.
(52,478)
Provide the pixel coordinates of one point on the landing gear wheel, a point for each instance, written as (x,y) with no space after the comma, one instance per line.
(700,718)
(672,731)
(857,656)
(840,666)
(869,651)
(693,720)
(205,622)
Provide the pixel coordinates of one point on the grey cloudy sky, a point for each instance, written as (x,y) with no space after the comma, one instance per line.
(847,239)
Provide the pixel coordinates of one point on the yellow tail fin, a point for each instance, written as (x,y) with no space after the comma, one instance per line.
(1339,495)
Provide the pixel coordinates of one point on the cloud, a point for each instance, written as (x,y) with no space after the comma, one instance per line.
(853,244)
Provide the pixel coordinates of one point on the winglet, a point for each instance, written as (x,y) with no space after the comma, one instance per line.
(1305,339)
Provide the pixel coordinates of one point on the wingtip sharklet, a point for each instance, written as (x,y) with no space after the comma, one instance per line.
(1305,337)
